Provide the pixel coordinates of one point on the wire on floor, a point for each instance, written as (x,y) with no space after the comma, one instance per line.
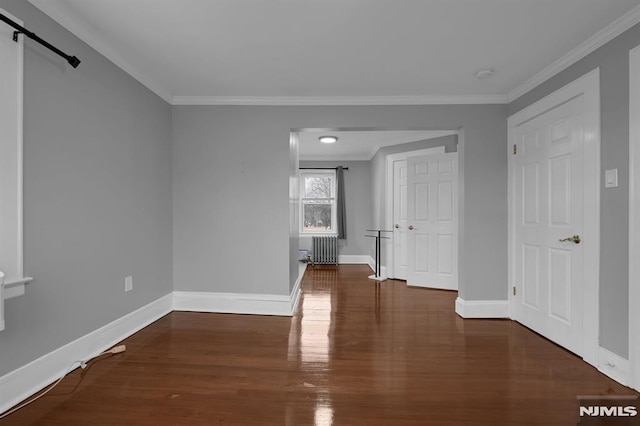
(81,363)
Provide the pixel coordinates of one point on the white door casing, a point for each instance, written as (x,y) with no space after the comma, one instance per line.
(400,244)
(634,217)
(432,217)
(553,195)
(11,164)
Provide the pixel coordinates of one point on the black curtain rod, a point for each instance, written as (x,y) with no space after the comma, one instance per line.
(322,168)
(73,61)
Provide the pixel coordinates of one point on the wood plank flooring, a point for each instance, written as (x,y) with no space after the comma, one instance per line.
(355,353)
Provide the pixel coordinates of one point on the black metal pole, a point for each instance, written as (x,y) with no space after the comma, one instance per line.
(73,61)
(378,258)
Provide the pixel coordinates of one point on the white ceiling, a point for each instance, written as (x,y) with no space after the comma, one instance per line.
(358,145)
(341,51)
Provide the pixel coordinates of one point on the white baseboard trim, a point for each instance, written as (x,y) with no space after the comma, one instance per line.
(294,297)
(372,264)
(482,308)
(613,366)
(354,259)
(25,381)
(232,303)
(434,287)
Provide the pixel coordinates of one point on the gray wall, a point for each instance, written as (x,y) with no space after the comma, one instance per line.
(97,195)
(357,188)
(231,201)
(231,174)
(613,61)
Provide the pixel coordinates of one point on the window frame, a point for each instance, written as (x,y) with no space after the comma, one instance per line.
(11,147)
(334,200)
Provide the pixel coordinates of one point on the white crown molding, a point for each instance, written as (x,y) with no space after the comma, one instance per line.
(339,100)
(63,16)
(336,157)
(602,37)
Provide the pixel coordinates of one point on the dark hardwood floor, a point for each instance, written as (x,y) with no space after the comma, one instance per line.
(355,353)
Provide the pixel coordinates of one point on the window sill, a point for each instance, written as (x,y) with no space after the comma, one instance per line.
(15,287)
(317,234)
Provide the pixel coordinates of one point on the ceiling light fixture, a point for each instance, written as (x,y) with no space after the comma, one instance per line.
(484,74)
(328,139)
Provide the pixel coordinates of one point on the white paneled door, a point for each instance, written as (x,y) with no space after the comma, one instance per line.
(432,221)
(548,201)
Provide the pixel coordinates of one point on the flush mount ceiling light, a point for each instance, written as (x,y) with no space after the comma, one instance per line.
(328,139)
(484,74)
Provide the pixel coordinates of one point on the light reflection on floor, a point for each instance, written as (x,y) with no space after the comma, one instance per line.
(315,327)
(323,415)
(315,341)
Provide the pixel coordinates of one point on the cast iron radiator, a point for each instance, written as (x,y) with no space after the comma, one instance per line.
(324,250)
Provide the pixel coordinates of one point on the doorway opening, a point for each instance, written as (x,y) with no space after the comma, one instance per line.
(365,152)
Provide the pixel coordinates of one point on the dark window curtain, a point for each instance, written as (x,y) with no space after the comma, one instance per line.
(342,212)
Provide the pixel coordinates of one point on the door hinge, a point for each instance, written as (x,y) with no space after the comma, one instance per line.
(515,149)
(514,290)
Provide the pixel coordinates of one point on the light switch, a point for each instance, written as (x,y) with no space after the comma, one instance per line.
(611,178)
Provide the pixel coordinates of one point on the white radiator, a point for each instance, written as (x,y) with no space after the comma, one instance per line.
(324,250)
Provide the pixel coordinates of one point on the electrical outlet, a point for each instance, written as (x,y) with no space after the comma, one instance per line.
(128,283)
